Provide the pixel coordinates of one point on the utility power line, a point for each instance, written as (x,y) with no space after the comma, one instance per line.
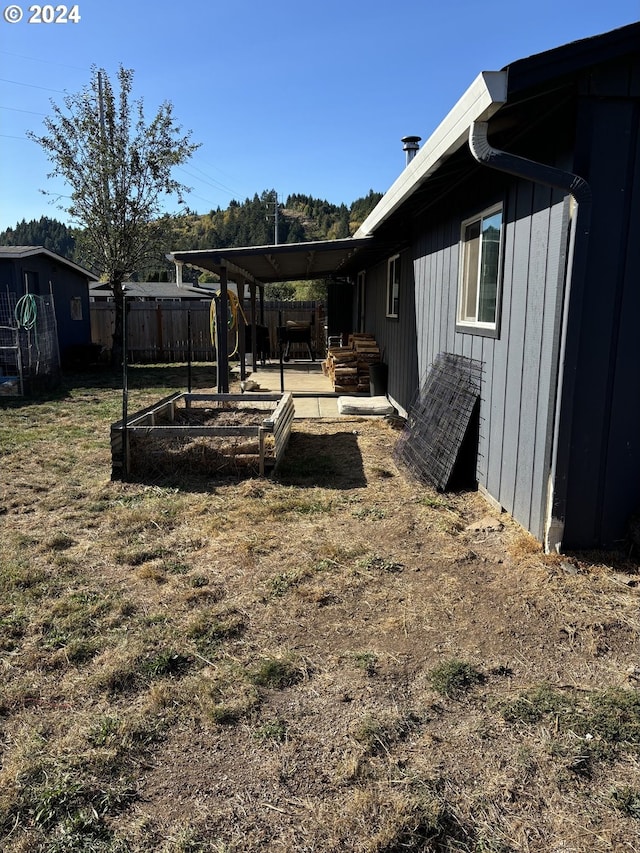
(32,86)
(44,61)
(18,110)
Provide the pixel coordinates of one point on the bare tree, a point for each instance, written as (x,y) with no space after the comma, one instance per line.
(118,167)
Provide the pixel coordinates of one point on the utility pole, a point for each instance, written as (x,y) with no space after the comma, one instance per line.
(275,216)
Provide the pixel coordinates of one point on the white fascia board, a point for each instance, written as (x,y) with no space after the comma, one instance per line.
(483,99)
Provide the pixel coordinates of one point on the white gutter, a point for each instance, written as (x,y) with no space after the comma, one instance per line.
(483,99)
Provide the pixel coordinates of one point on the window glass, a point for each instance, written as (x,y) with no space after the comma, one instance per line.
(393,287)
(470,271)
(488,283)
(76,308)
(480,270)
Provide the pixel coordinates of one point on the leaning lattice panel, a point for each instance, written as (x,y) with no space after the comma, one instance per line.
(439,418)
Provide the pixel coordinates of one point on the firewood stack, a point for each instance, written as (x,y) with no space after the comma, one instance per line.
(367,352)
(341,366)
(348,367)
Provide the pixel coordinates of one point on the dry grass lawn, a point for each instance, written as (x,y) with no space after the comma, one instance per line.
(331,659)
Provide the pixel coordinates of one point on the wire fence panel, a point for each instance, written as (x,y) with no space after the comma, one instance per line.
(439,418)
(29,353)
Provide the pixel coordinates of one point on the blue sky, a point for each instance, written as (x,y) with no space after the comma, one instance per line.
(302,97)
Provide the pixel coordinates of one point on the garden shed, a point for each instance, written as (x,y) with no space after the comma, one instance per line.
(48,278)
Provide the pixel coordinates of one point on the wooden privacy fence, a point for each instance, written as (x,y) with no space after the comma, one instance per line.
(158,331)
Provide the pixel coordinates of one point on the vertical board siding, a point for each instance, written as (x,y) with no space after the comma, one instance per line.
(532,338)
(621,498)
(398,339)
(604,468)
(520,365)
(514,339)
(550,354)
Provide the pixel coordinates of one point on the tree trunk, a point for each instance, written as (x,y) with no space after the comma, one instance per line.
(117,349)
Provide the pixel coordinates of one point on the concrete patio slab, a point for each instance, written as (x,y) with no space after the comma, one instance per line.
(312,391)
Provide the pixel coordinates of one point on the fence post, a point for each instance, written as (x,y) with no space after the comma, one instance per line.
(160,341)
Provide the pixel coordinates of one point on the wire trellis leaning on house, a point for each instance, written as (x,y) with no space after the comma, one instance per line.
(29,355)
(439,418)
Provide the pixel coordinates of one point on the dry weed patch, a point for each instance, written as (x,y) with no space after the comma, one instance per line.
(333,659)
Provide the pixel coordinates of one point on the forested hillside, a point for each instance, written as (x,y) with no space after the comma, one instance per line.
(50,233)
(250,223)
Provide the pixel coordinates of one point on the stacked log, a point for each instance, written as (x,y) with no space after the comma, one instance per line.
(348,366)
(342,369)
(367,352)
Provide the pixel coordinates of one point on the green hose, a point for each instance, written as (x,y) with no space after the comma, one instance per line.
(26,312)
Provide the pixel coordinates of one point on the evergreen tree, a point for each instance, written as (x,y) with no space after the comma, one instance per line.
(301,218)
(50,233)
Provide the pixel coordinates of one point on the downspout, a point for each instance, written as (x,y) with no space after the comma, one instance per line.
(575,275)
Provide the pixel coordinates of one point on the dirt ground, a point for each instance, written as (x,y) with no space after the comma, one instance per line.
(335,658)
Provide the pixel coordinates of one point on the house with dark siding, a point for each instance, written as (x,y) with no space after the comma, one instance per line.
(512,238)
(511,241)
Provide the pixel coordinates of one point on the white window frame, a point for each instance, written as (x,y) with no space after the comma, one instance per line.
(467,321)
(394,272)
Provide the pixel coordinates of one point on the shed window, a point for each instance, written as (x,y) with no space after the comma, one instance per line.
(479,289)
(76,308)
(393,286)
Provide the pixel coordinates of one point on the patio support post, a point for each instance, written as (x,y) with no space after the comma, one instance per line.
(223,343)
(254,333)
(242,332)
(280,352)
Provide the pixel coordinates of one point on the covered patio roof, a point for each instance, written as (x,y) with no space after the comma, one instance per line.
(280,262)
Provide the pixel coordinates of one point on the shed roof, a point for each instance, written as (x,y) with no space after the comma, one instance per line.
(19,252)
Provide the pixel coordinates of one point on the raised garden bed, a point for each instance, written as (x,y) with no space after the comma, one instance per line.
(203,435)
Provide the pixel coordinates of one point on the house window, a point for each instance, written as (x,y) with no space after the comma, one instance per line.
(480,258)
(76,308)
(393,286)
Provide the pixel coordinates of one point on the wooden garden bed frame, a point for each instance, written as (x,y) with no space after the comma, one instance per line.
(145,422)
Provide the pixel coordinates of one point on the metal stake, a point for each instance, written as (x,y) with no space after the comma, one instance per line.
(189,351)
(125,390)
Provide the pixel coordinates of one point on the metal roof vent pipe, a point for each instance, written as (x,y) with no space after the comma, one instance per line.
(410,144)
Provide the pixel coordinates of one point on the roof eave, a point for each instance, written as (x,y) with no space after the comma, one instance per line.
(29,251)
(483,99)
